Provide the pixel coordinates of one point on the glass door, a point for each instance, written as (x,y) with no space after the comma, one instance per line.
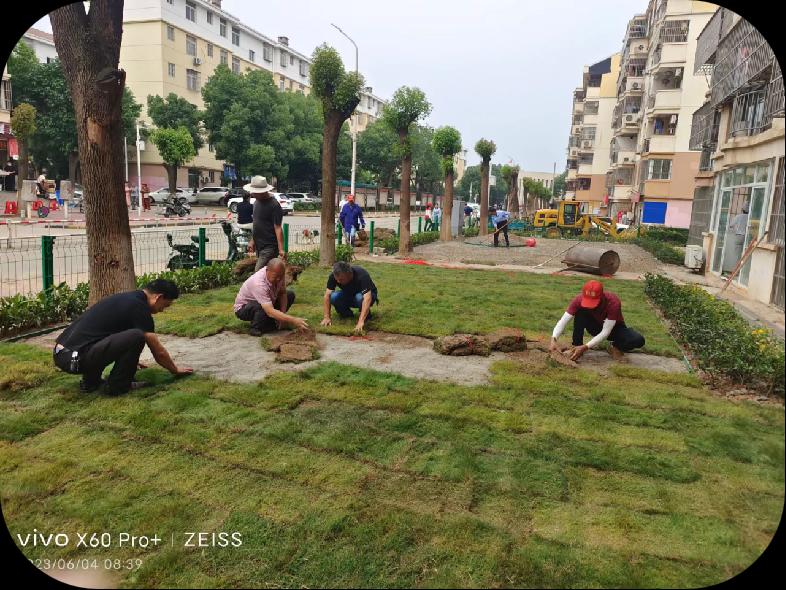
(757,209)
(721,224)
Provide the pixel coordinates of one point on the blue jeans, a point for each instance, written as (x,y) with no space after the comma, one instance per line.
(343,302)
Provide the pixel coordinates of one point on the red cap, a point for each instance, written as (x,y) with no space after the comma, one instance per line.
(591,293)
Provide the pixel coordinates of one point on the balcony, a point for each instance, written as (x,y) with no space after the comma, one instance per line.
(620,192)
(578,108)
(585,168)
(666,100)
(709,39)
(631,121)
(669,55)
(586,145)
(639,48)
(743,56)
(572,174)
(625,158)
(575,129)
(704,130)
(637,29)
(591,119)
(634,85)
(662,144)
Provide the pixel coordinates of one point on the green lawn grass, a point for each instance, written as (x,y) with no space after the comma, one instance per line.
(429,301)
(338,476)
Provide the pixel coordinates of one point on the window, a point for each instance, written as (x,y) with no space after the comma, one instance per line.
(300,89)
(209,17)
(212,175)
(281,84)
(171,70)
(190,45)
(370,102)
(659,170)
(170,32)
(5,95)
(303,68)
(210,50)
(588,133)
(192,79)
(170,2)
(292,60)
(190,11)
(283,59)
(224,57)
(235,36)
(235,64)
(267,52)
(251,55)
(222,27)
(210,148)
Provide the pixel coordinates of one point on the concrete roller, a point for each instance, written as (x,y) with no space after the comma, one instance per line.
(593,259)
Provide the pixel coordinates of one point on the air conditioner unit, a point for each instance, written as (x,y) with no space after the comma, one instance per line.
(635,86)
(678,72)
(626,159)
(587,144)
(629,118)
(694,257)
(641,47)
(197,61)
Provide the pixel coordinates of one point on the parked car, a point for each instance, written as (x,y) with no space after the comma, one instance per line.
(162,195)
(286,205)
(212,195)
(303,197)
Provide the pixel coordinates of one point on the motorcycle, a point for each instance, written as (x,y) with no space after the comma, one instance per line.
(178,206)
(187,255)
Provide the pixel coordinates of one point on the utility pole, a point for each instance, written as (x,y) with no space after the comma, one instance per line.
(138,173)
(353,121)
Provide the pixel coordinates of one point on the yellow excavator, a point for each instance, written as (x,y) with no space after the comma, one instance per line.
(570,219)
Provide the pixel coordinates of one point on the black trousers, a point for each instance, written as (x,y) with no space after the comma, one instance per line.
(504,230)
(253,312)
(123,349)
(624,338)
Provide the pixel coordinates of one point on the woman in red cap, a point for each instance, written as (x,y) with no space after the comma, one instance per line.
(598,312)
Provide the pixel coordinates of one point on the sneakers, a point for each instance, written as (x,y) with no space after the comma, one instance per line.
(84,387)
(254,332)
(133,387)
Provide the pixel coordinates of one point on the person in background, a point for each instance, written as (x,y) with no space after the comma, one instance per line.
(598,312)
(245,213)
(268,240)
(500,219)
(42,185)
(467,216)
(357,290)
(264,300)
(737,227)
(135,197)
(351,218)
(437,216)
(429,225)
(10,184)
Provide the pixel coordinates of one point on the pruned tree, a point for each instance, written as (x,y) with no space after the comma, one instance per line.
(23,124)
(88,44)
(407,107)
(339,93)
(176,147)
(171,116)
(447,143)
(485,149)
(511,176)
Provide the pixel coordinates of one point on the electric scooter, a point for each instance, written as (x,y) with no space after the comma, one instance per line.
(187,255)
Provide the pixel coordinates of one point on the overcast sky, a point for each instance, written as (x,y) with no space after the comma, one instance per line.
(502,69)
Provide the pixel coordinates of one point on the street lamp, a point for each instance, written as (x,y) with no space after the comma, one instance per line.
(352,123)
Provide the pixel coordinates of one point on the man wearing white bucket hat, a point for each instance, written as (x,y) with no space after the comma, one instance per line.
(268,237)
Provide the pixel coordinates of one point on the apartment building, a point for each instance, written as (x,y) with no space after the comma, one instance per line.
(591,133)
(42,43)
(8,146)
(666,166)
(175,45)
(740,132)
(459,165)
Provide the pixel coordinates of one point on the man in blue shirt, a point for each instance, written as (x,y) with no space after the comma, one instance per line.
(500,219)
(467,216)
(351,218)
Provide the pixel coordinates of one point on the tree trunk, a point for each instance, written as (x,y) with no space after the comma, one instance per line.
(513,195)
(445,232)
(73,161)
(89,49)
(404,245)
(171,173)
(483,230)
(327,237)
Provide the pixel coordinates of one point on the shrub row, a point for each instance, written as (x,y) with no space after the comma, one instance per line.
(390,245)
(718,337)
(300,206)
(308,257)
(661,250)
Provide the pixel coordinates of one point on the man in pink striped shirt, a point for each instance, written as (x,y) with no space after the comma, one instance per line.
(264,300)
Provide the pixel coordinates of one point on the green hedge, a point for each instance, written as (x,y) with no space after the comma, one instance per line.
(718,337)
(309,257)
(300,206)
(390,245)
(668,235)
(661,250)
